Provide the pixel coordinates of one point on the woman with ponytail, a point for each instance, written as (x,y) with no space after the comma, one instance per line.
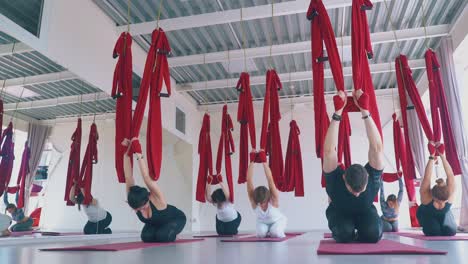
(434,214)
(162,221)
(390,208)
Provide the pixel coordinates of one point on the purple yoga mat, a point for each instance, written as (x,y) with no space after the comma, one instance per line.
(421,236)
(121,246)
(267,239)
(330,247)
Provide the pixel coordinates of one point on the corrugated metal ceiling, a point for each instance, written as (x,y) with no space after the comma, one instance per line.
(283,29)
(25,13)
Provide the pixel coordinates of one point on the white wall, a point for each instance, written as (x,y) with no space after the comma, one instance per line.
(308,212)
(175,180)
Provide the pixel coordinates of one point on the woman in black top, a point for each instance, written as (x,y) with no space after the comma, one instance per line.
(162,221)
(434,214)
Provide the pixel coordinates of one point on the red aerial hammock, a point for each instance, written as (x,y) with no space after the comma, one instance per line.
(293,173)
(73,171)
(205,167)
(90,158)
(402,169)
(225,149)
(156,74)
(441,122)
(270,127)
(122,92)
(245,116)
(21,180)
(406,85)
(1,113)
(8,156)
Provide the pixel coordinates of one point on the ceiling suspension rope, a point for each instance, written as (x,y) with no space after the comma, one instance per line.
(228,75)
(244,40)
(424,22)
(271,33)
(96,98)
(128,16)
(13,117)
(158,17)
(389,17)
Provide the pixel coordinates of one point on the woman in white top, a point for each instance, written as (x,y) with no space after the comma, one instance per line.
(98,218)
(5,222)
(227,218)
(265,201)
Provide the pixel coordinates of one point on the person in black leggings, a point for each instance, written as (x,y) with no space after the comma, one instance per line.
(434,214)
(351,213)
(162,221)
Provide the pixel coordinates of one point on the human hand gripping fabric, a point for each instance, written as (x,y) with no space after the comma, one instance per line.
(339,101)
(361,100)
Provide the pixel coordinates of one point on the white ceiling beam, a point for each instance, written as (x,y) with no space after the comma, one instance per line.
(73,99)
(8,49)
(288,101)
(304,46)
(38,79)
(294,76)
(73,118)
(230,16)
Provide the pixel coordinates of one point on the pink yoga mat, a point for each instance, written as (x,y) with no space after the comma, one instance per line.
(329,235)
(421,236)
(121,246)
(330,247)
(267,239)
(44,233)
(216,235)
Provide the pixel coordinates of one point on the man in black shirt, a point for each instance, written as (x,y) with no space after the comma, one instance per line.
(351,192)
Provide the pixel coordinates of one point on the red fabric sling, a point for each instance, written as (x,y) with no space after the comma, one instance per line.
(361,51)
(73,172)
(122,92)
(90,158)
(22,173)
(156,74)
(439,110)
(270,127)
(225,149)
(8,156)
(1,114)
(245,116)
(402,169)
(293,173)
(322,33)
(205,167)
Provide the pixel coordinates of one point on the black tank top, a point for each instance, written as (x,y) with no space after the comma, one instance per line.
(159,217)
(430,211)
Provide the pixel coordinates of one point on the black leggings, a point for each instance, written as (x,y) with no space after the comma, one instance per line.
(228,228)
(166,232)
(101,227)
(432,226)
(368,225)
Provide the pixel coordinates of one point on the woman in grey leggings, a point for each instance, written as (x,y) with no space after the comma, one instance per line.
(390,208)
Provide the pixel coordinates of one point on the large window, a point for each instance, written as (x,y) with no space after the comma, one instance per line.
(26,13)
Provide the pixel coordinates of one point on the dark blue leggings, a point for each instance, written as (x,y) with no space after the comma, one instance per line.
(101,227)
(228,228)
(166,232)
(365,227)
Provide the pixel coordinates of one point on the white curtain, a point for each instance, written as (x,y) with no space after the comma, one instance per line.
(453,94)
(37,135)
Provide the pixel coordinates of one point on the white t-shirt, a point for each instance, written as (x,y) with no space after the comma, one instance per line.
(270,216)
(5,222)
(95,213)
(226,213)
